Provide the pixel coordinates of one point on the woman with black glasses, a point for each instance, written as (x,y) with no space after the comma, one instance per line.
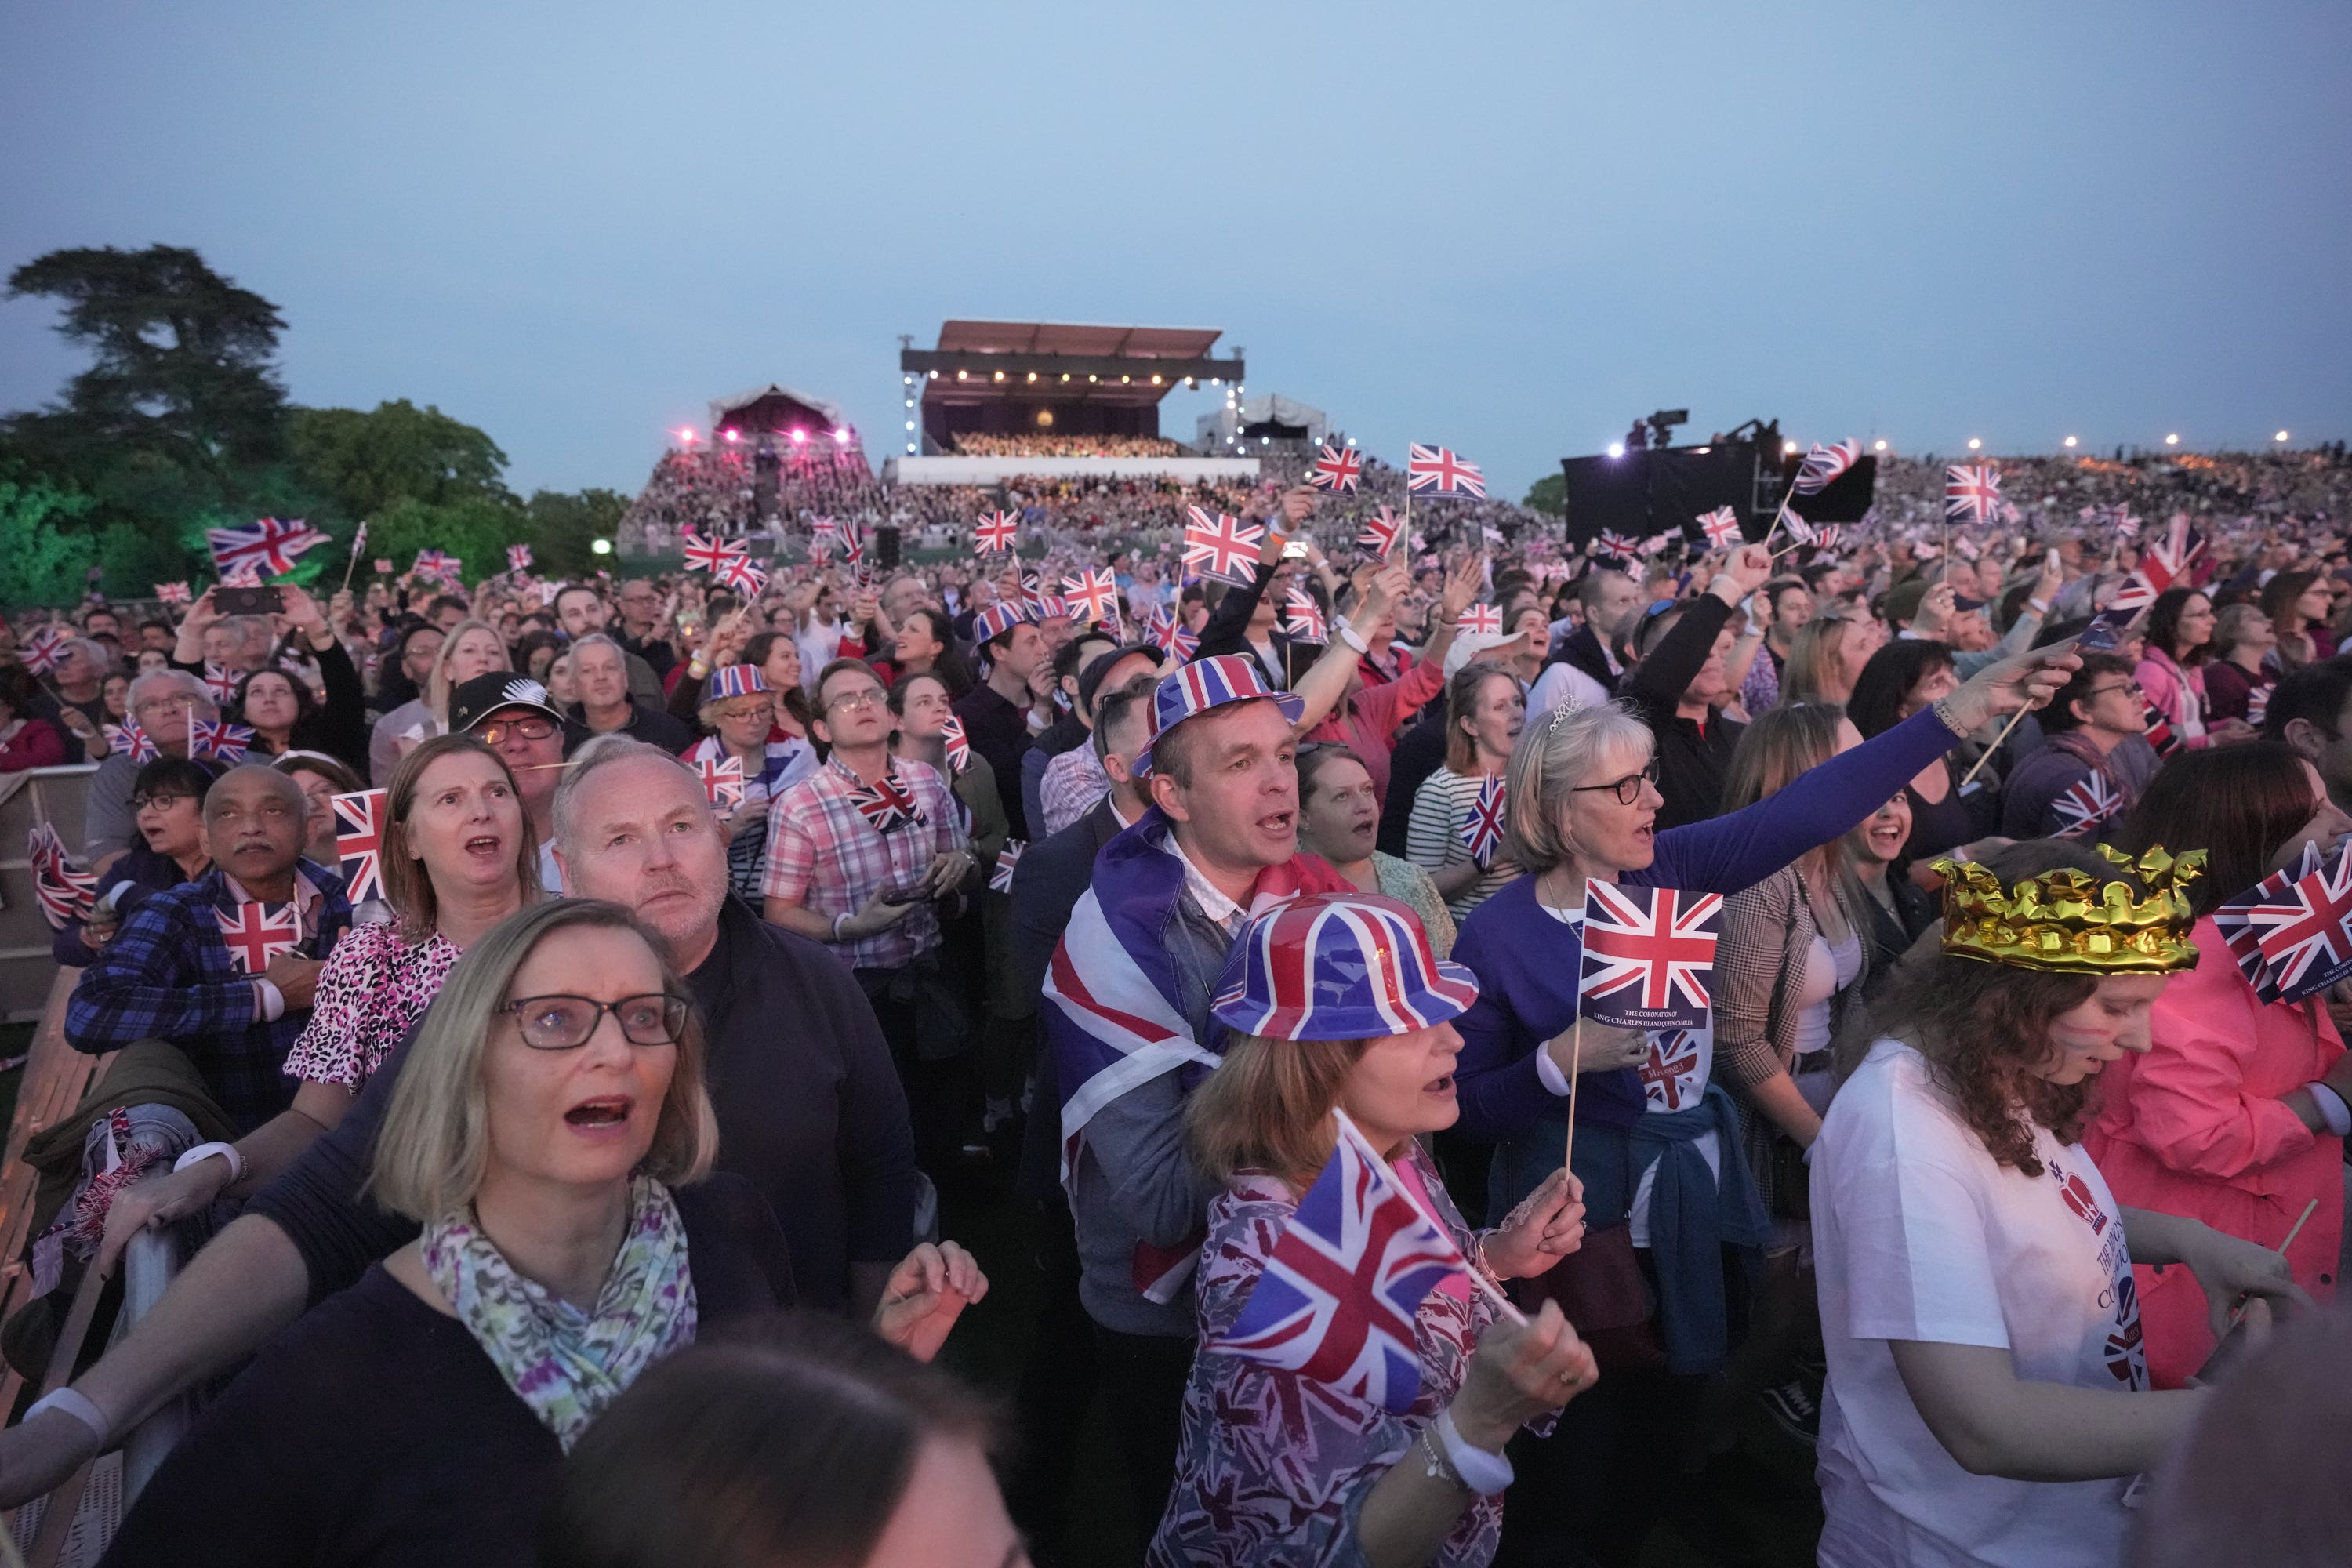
(1657,1144)
(552,1134)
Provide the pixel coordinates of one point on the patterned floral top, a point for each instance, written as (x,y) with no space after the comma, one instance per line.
(1275,1468)
(375,985)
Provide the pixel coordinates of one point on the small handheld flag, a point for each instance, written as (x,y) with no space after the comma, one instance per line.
(66,893)
(1480,620)
(1618,546)
(1435,471)
(174,594)
(996,532)
(1649,955)
(269,545)
(1973,493)
(517,557)
(359,842)
(436,563)
(1093,596)
(1380,534)
(1340,468)
(887,804)
(221,683)
(1822,465)
(218,740)
(2084,805)
(1721,527)
(1221,545)
(1303,616)
(959,744)
(1000,878)
(256,932)
(132,741)
(1482,824)
(44,650)
(2306,932)
(722,781)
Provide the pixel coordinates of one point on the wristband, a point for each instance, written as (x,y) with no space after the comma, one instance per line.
(1943,706)
(80,1407)
(204,1151)
(2332,1108)
(838,921)
(1353,638)
(1482,1472)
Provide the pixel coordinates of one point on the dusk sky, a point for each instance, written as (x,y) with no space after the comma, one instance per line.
(1506,228)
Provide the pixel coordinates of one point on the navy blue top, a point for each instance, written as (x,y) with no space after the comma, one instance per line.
(1528,964)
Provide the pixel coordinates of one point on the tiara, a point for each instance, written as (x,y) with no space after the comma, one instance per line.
(2071,922)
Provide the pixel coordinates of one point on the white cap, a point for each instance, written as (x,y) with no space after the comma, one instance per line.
(1470,645)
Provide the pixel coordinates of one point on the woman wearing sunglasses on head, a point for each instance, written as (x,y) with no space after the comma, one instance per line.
(551,1133)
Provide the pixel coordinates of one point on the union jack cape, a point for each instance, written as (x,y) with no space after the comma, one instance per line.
(1118,1020)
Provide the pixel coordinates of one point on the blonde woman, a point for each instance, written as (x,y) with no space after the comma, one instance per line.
(1484,709)
(1826,658)
(471,648)
(552,1134)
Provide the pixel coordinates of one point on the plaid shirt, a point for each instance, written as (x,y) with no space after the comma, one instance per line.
(167,976)
(823,855)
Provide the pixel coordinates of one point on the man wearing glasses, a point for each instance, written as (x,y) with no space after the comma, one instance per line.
(857,853)
(161,704)
(2093,760)
(513,716)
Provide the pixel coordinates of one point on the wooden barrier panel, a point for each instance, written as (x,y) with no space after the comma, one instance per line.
(55,795)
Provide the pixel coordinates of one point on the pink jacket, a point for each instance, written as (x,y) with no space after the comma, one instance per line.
(2179,694)
(1367,722)
(2197,1127)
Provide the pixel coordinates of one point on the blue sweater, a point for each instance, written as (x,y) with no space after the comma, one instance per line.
(1527,962)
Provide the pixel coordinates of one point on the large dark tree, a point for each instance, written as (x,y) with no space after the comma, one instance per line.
(184,364)
(366,460)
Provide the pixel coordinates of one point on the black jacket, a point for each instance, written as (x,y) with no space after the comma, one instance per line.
(1227,628)
(1692,757)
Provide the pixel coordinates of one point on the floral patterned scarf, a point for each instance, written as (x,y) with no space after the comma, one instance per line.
(565,1364)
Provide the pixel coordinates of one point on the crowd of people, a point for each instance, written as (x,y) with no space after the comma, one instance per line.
(577,1187)
(1045,444)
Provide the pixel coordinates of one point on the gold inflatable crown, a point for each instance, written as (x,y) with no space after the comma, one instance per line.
(2070,921)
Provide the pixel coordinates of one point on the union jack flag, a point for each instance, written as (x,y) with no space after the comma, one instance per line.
(244,574)
(2160,732)
(1822,465)
(2126,526)
(2258,704)
(218,739)
(268,546)
(1032,597)
(436,563)
(1341,1289)
(959,744)
(221,683)
(739,573)
(722,781)
(2306,932)
(383,565)
(1380,534)
(1482,824)
(887,804)
(999,877)
(2085,804)
(2113,517)
(2127,1356)
(1481,620)
(1620,546)
(1655,543)
(359,842)
(132,741)
(996,532)
(1172,635)
(1094,595)
(1670,1073)
(2235,919)
(1721,527)
(2161,565)
(1649,955)
(709,554)
(1303,616)
(1826,537)
(174,594)
(66,893)
(1434,470)
(1794,526)
(1973,493)
(1338,468)
(1221,546)
(256,932)
(44,650)
(517,557)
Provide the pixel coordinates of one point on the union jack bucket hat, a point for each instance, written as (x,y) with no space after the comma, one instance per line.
(995,621)
(734,680)
(1204,684)
(1339,966)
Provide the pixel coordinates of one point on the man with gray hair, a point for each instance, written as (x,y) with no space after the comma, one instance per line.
(163,703)
(599,669)
(809,1110)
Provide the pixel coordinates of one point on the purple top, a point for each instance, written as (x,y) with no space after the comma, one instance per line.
(1528,964)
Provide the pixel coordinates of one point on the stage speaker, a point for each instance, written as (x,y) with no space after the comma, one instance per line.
(1607,493)
(1651,492)
(1844,500)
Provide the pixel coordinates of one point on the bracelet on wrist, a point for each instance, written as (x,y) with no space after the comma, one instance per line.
(1949,719)
(2333,1110)
(1485,1472)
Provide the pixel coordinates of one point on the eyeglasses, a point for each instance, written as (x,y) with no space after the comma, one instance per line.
(2098,691)
(868,698)
(561,1023)
(1628,788)
(532,729)
(160,802)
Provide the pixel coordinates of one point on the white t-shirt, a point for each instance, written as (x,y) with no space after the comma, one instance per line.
(1919,1235)
(1673,1079)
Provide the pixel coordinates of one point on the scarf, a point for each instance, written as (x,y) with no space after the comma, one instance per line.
(565,1364)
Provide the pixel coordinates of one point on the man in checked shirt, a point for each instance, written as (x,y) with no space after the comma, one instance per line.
(858,853)
(171,974)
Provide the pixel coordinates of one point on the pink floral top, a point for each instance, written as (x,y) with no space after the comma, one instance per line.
(375,985)
(1275,1468)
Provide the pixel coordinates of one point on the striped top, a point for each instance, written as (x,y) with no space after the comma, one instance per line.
(1434,836)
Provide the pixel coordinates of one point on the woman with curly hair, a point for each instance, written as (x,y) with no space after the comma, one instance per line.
(1988,1397)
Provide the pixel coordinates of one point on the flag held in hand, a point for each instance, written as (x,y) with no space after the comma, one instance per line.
(1482,824)
(359,842)
(1649,955)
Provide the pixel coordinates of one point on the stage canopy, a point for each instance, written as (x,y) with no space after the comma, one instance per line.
(777,409)
(1063,378)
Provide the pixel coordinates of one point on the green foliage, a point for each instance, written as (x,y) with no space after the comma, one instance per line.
(475,529)
(1549,494)
(41,563)
(562,525)
(367,461)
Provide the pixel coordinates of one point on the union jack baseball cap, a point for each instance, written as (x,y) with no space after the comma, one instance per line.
(1204,684)
(1339,966)
(995,621)
(734,680)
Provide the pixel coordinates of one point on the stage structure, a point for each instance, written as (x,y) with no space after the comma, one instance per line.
(1048,381)
(1644,492)
(771,455)
(1250,424)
